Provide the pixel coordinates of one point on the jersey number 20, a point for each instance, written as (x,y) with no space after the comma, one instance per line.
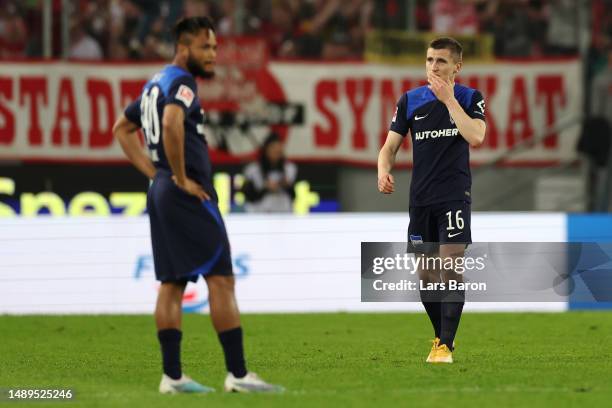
(150,119)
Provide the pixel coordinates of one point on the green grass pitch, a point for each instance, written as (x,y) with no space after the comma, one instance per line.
(530,359)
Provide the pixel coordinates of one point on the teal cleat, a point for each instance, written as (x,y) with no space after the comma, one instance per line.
(184,385)
(251,383)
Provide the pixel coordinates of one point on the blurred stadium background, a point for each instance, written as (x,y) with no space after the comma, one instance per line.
(324,75)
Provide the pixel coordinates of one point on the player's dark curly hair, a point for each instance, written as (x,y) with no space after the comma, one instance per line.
(191,26)
(448,43)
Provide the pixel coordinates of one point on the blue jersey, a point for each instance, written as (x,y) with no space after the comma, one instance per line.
(177,86)
(441,156)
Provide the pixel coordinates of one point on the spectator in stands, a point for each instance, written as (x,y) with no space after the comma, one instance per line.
(512,30)
(150,11)
(278,29)
(82,45)
(485,13)
(601,92)
(422,15)
(125,17)
(563,27)
(391,14)
(356,21)
(454,17)
(269,181)
(94,17)
(194,8)
(334,29)
(137,29)
(228,24)
(337,46)
(340,26)
(13,31)
(155,47)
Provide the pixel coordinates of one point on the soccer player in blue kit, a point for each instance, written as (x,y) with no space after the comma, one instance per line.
(187,232)
(444,119)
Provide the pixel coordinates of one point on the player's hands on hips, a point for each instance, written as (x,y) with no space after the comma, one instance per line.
(191,187)
(443,89)
(386,184)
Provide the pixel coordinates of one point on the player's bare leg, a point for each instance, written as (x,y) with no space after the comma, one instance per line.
(222,300)
(168,310)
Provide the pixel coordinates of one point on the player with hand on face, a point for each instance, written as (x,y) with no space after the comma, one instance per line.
(444,119)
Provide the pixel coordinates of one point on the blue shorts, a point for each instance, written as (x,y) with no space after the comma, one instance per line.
(188,236)
(438,224)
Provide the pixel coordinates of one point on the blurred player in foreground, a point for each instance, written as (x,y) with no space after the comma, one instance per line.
(187,231)
(444,119)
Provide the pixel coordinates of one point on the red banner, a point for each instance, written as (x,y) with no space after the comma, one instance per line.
(326,112)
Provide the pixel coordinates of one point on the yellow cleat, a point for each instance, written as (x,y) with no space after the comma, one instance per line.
(432,353)
(442,355)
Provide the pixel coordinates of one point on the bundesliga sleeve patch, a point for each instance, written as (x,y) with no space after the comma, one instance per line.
(185,95)
(481,106)
(394,115)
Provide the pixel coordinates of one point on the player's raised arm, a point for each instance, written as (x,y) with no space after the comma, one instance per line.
(126,132)
(386,160)
(472,129)
(173,132)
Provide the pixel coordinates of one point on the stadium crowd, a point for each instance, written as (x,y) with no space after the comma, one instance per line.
(328,29)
